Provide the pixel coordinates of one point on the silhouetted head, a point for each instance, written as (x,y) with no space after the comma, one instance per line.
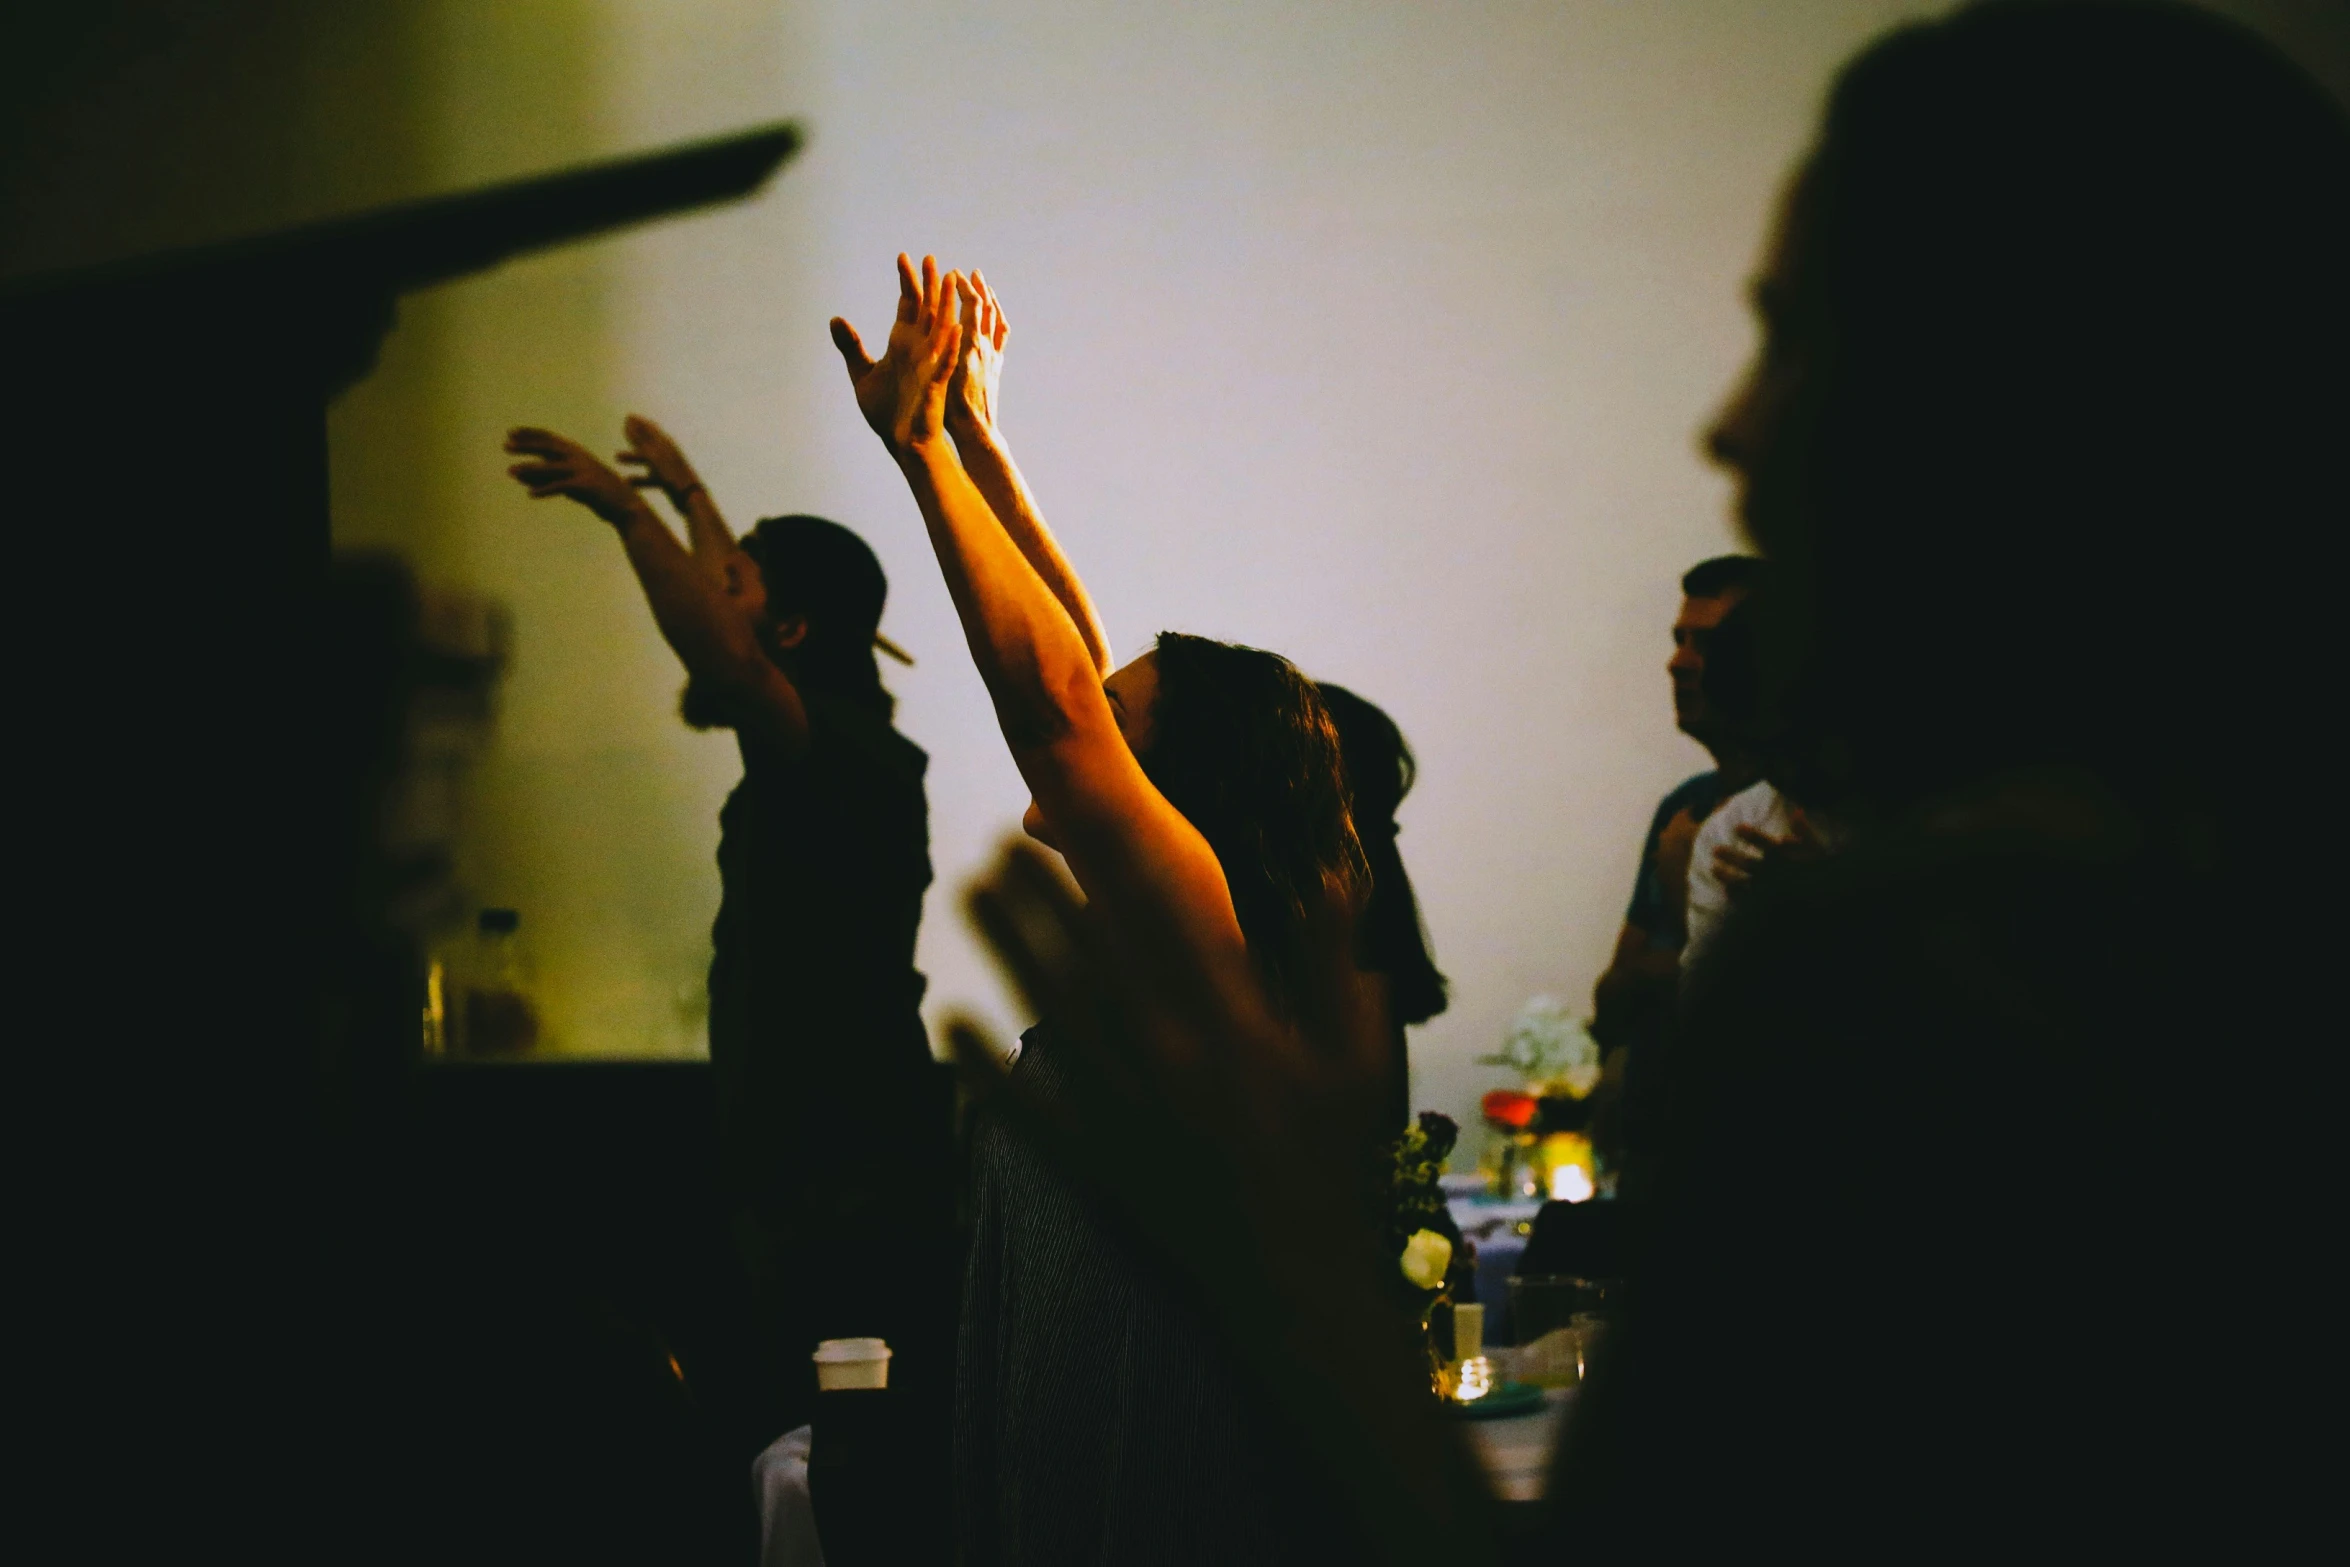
(1240,743)
(1731,681)
(2050,397)
(1709,591)
(816,592)
(1379,772)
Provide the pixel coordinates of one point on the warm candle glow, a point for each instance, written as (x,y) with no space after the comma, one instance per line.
(1569,1171)
(435,1012)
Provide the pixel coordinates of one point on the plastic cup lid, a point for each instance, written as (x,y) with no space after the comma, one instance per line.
(834,1351)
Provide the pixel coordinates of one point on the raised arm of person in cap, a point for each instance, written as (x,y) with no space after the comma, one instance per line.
(973,400)
(666,469)
(1131,850)
(714,624)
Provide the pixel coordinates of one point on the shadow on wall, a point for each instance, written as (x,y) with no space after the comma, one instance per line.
(158,124)
(592,811)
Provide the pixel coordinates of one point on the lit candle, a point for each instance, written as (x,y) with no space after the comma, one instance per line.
(1567,1167)
(1468,1331)
(1468,1352)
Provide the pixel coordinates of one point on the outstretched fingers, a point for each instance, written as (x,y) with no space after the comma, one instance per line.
(553,461)
(650,479)
(647,440)
(852,347)
(951,323)
(909,290)
(898,392)
(974,296)
(992,324)
(541,479)
(529,440)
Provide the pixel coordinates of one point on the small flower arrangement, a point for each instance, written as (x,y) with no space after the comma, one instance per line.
(1538,1127)
(1552,1051)
(1420,1228)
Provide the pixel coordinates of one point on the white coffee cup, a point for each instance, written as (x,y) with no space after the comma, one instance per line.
(851,1363)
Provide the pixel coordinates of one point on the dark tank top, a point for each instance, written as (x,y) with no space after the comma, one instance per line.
(1098,1418)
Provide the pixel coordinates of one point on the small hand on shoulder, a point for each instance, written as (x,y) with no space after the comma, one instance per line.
(1756,852)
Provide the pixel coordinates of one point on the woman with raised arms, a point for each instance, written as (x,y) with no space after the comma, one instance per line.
(1198,797)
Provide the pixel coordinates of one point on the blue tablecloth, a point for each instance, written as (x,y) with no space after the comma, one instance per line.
(1492,1226)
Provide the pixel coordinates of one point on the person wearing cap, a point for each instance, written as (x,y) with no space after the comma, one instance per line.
(816,1039)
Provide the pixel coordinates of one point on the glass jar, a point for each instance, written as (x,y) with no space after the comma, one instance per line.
(498,1016)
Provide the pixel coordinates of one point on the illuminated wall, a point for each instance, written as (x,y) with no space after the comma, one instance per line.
(594,813)
(1377,333)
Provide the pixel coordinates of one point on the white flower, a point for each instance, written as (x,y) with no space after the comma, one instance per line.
(1425,1257)
(1581,1078)
(1549,1044)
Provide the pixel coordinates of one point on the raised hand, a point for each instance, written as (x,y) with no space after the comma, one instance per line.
(972,397)
(903,394)
(664,463)
(560,466)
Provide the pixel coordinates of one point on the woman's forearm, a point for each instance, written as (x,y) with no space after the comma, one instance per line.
(1044,679)
(989,462)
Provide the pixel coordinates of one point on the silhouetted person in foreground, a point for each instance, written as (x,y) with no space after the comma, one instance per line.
(1634,995)
(1393,947)
(1969,1123)
(2054,329)
(834,1121)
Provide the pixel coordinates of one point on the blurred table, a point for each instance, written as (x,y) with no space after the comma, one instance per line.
(1497,1229)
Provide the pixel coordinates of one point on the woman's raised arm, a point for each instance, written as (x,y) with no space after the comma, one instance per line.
(972,403)
(1121,837)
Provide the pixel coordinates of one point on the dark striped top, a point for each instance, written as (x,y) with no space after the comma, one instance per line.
(1098,1419)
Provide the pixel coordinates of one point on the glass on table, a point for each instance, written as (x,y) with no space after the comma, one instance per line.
(1555,1319)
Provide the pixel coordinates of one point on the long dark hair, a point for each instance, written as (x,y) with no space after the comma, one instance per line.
(1242,745)
(2074,277)
(1380,770)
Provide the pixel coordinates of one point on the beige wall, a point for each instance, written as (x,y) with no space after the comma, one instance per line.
(1377,333)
